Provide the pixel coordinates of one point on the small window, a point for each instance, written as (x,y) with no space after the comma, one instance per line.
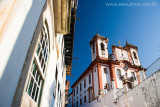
(118,73)
(105,70)
(74,92)
(84,99)
(56,75)
(84,83)
(129,85)
(80,86)
(133,75)
(135,55)
(81,101)
(89,78)
(77,89)
(93,47)
(102,46)
(58,86)
(125,68)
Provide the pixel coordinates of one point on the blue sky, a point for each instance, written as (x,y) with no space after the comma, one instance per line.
(140,25)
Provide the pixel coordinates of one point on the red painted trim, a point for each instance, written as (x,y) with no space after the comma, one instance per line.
(114,76)
(137,72)
(100,77)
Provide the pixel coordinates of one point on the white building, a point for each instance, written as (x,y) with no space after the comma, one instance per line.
(120,69)
(33,47)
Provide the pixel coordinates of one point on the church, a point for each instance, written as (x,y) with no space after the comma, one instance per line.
(120,70)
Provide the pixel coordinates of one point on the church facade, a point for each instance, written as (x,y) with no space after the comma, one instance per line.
(121,69)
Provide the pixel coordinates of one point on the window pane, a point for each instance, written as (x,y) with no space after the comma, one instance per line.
(30,87)
(33,91)
(36,94)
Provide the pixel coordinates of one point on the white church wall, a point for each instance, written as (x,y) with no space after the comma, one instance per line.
(96,87)
(136,62)
(102,53)
(19,27)
(122,54)
(105,76)
(93,54)
(130,75)
(119,81)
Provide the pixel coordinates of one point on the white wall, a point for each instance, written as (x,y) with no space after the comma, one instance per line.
(47,98)
(119,81)
(146,94)
(61,72)
(105,77)
(119,53)
(84,91)
(17,35)
(96,86)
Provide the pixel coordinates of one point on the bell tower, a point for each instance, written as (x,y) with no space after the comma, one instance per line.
(99,47)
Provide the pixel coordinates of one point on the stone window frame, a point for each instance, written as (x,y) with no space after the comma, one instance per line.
(37,74)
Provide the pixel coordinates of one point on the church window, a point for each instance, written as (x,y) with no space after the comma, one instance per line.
(105,70)
(133,75)
(129,85)
(118,73)
(89,79)
(38,67)
(125,68)
(135,56)
(102,47)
